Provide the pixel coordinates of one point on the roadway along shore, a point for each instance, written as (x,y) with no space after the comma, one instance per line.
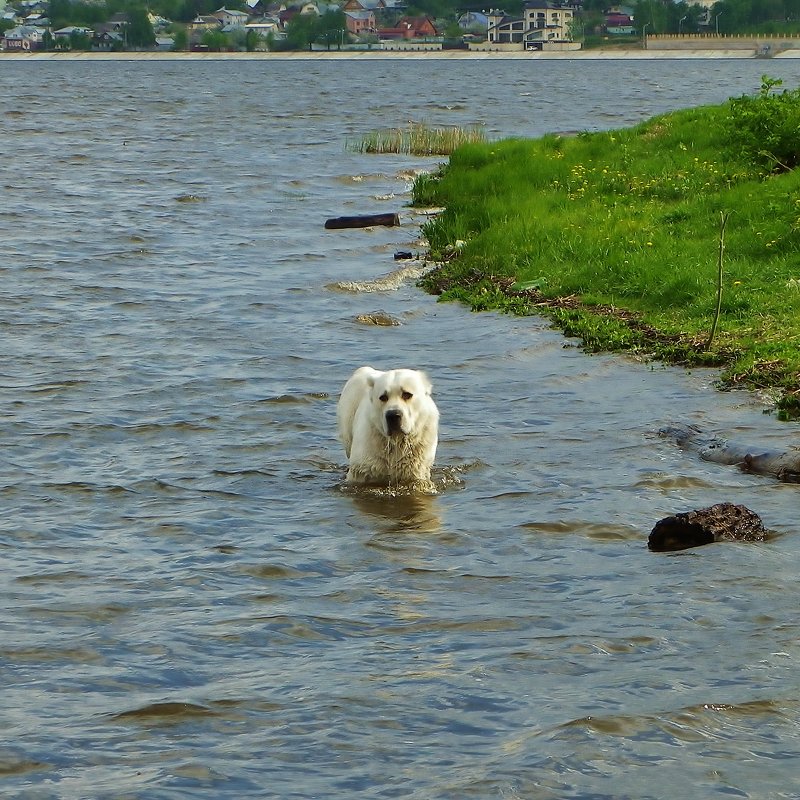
(587,55)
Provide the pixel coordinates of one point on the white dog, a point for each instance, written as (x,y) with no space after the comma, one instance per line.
(389,425)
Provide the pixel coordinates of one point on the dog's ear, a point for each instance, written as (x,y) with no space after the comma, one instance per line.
(426,382)
(370,381)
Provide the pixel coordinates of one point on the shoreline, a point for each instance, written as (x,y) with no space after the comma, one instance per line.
(369,55)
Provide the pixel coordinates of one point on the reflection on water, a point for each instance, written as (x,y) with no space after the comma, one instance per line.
(399,513)
(194,604)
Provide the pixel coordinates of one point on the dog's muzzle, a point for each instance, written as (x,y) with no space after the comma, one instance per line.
(394,422)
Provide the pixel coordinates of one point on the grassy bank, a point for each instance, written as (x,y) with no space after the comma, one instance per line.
(617,236)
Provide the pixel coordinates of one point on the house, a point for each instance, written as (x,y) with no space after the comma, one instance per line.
(107,41)
(257,8)
(230,19)
(410,28)
(64,36)
(360,22)
(158,23)
(264,26)
(541,21)
(65,33)
(24,38)
(618,23)
(202,23)
(119,21)
(363,5)
(473,19)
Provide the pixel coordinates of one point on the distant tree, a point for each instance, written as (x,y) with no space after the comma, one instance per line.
(431,8)
(215,40)
(139,32)
(652,14)
(332,28)
(59,12)
(87,14)
(301,30)
(180,39)
(190,9)
(751,15)
(253,40)
(79,41)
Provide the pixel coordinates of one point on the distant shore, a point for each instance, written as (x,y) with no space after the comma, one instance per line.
(588,55)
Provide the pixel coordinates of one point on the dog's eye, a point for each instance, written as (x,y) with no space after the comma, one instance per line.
(407,395)
(384,397)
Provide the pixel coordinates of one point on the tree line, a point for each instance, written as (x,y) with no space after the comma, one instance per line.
(655,16)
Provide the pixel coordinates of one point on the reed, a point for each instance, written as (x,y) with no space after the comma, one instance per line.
(420,139)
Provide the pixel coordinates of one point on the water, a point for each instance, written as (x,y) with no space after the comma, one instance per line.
(192,606)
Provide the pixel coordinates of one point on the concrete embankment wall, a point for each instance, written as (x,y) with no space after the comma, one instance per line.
(758,45)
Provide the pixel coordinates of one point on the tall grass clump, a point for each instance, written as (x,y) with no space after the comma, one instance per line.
(627,223)
(420,139)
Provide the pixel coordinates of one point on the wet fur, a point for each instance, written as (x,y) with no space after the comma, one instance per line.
(378,456)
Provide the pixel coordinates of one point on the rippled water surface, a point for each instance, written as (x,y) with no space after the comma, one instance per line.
(193,606)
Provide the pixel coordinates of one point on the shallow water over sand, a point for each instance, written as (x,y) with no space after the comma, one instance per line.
(193,606)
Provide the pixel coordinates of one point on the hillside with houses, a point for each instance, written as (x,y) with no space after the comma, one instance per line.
(271,25)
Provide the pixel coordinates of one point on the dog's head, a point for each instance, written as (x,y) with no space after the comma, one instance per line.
(402,398)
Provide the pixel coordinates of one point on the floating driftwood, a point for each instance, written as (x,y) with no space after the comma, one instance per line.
(785,465)
(363,221)
(723,522)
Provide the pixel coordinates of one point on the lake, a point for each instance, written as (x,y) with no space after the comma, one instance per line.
(195,606)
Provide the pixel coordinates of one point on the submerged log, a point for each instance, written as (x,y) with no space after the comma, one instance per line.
(783,465)
(363,221)
(723,522)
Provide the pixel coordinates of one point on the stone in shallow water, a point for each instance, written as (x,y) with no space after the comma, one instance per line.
(723,522)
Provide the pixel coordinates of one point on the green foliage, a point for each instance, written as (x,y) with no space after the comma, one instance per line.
(79,41)
(666,17)
(767,126)
(215,41)
(630,219)
(751,16)
(253,40)
(180,39)
(304,29)
(139,32)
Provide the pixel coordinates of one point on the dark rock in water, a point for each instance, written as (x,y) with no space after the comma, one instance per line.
(723,522)
(403,255)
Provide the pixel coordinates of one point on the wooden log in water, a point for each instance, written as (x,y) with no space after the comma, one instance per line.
(783,465)
(723,522)
(363,221)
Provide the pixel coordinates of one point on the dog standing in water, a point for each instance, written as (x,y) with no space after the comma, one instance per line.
(389,425)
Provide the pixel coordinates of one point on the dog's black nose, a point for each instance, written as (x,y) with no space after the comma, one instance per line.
(394,421)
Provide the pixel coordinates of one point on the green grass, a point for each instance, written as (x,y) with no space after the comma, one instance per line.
(419,139)
(616,236)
